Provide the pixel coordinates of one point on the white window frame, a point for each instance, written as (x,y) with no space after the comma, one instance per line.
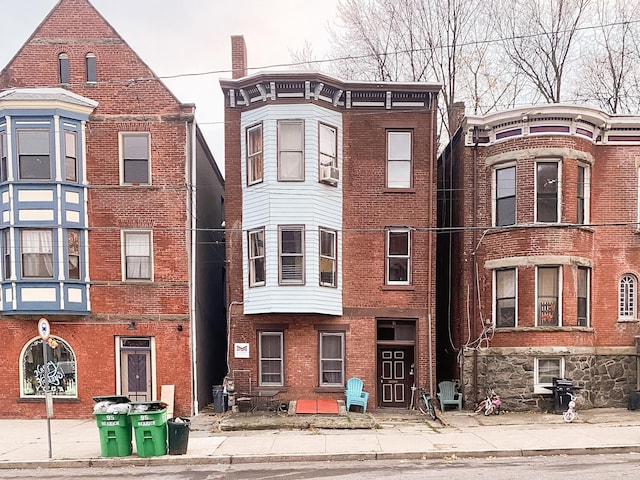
(586,199)
(327,157)
(558,183)
(497,198)
(628,298)
(6,254)
(284,150)
(399,159)
(323,360)
(77,254)
(587,320)
(255,256)
(279,359)
(255,158)
(46,154)
(71,140)
(558,269)
(496,299)
(287,278)
(4,174)
(545,387)
(389,257)
(328,258)
(41,252)
(123,160)
(62,387)
(125,251)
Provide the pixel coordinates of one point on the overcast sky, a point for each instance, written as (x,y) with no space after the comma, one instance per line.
(177,37)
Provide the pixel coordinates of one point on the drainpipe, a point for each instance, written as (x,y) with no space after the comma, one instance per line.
(430,246)
(474,311)
(192,267)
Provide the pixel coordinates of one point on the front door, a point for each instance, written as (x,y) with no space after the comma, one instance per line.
(396,377)
(135,369)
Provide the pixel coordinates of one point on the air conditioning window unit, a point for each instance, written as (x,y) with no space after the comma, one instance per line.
(329,174)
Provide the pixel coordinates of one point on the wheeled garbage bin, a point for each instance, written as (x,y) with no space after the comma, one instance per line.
(178,432)
(218,398)
(114,425)
(562,391)
(149,422)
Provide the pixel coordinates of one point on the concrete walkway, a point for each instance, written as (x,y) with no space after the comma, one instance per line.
(376,435)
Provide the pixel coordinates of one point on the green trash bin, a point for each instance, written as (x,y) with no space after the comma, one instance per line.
(149,428)
(114,428)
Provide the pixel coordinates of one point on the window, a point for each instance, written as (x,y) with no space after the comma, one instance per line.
(399,159)
(71,156)
(137,255)
(135,158)
(331,359)
(547,192)
(505,196)
(291,245)
(6,253)
(271,362)
(290,150)
(327,145)
(328,258)
(628,297)
(583,195)
(59,373)
(63,67)
(3,157)
(583,296)
(37,253)
(505,311)
(33,155)
(546,369)
(254,154)
(256,258)
(548,288)
(398,256)
(90,65)
(73,254)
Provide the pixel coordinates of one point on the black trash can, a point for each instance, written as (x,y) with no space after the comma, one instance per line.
(634,400)
(178,429)
(562,391)
(218,398)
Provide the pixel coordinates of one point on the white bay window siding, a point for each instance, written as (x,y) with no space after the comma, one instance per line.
(310,281)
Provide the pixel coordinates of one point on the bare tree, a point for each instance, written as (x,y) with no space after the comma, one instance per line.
(538,37)
(612,59)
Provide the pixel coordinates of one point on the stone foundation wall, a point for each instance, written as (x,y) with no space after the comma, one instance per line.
(604,379)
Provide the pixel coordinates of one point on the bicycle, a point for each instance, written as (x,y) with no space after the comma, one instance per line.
(571,414)
(424,404)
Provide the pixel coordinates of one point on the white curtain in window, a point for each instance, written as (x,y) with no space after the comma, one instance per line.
(138,253)
(332,359)
(37,248)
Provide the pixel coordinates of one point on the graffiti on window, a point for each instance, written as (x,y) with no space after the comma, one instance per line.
(59,373)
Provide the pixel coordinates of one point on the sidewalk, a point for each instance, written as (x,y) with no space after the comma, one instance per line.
(396,434)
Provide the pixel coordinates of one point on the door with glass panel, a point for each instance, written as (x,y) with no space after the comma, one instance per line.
(135,369)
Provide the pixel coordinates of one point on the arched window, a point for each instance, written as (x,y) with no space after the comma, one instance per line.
(90,64)
(63,67)
(628,297)
(59,373)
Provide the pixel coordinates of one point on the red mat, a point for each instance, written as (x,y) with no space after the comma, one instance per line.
(319,405)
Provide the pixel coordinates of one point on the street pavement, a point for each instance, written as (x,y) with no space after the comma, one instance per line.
(378,434)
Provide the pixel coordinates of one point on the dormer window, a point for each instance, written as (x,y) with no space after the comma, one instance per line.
(63,67)
(90,65)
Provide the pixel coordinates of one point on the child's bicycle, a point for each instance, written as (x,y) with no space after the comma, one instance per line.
(424,404)
(571,414)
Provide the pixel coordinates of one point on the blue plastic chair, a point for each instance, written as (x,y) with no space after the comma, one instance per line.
(449,395)
(354,394)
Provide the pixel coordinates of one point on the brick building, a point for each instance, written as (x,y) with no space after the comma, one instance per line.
(541,255)
(99,194)
(331,258)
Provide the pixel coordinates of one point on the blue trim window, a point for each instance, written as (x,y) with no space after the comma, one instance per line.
(3,157)
(71,156)
(34,158)
(36,247)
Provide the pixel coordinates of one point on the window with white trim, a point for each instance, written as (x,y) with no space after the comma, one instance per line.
(328,263)
(34,160)
(3,157)
(327,145)
(548,288)
(291,252)
(583,288)
(71,156)
(290,150)
(332,359)
(545,370)
(73,254)
(398,256)
(36,248)
(547,191)
(256,258)
(6,253)
(271,359)
(505,297)
(582,195)
(399,154)
(137,259)
(135,154)
(255,162)
(505,194)
(628,297)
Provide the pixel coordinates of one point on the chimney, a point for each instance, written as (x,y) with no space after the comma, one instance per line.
(238,57)
(456,116)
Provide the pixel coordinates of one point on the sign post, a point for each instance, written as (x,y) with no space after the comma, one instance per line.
(44,330)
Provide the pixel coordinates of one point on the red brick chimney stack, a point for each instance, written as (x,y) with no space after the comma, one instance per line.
(238,57)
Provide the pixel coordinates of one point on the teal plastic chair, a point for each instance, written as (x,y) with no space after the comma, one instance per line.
(354,394)
(449,395)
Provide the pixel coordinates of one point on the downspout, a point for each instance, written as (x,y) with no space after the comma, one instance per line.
(430,246)
(474,311)
(192,267)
